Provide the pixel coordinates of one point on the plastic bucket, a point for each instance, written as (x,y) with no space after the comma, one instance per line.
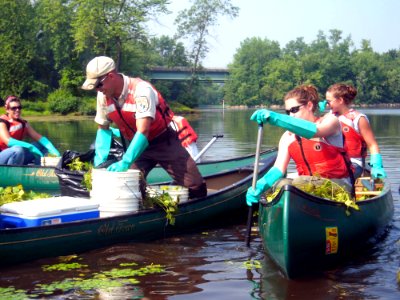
(116,192)
(49,161)
(178,193)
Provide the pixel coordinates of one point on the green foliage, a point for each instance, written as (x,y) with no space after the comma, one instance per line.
(17,46)
(87,106)
(63,102)
(323,188)
(85,283)
(38,106)
(162,200)
(86,167)
(63,267)
(261,73)
(16,193)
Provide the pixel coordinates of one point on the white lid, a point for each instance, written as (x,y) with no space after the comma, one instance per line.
(49,206)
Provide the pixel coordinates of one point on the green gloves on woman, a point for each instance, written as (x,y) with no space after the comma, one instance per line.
(263,184)
(377,170)
(13,142)
(49,146)
(298,126)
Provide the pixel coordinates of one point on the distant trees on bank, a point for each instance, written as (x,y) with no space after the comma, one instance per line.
(262,71)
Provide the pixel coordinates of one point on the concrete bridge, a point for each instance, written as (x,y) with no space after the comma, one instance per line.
(184,73)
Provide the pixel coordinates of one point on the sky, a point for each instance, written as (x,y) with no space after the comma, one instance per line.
(286,20)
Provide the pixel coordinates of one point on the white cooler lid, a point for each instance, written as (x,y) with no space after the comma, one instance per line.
(49,206)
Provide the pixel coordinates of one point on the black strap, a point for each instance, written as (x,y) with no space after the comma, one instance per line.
(302,153)
(363,155)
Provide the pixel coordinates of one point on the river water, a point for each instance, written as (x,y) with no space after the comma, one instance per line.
(215,264)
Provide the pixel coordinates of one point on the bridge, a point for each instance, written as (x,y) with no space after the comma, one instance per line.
(184,73)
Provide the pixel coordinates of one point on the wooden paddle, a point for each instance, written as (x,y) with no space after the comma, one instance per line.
(255,175)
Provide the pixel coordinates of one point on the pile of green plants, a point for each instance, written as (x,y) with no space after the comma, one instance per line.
(323,188)
(17,193)
(163,200)
(78,165)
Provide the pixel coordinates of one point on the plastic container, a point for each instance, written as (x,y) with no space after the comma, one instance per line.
(116,192)
(49,161)
(177,192)
(47,211)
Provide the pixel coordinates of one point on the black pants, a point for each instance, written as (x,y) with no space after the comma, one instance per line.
(167,151)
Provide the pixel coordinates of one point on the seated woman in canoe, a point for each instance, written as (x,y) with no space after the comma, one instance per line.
(14,151)
(314,143)
(356,128)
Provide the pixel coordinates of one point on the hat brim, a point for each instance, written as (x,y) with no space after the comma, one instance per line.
(89,84)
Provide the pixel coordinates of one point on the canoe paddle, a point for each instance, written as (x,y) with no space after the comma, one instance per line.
(255,175)
(215,137)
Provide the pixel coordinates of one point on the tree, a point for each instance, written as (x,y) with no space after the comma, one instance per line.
(248,71)
(167,52)
(194,24)
(17,43)
(106,27)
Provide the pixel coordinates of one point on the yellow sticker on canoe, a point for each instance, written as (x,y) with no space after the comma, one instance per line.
(332,240)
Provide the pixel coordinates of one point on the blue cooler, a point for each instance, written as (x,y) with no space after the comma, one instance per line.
(47,211)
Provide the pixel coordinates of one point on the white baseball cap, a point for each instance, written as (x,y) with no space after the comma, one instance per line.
(96,68)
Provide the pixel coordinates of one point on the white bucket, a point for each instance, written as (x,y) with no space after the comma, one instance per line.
(116,192)
(178,193)
(49,161)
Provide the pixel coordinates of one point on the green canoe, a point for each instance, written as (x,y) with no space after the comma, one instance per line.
(44,178)
(225,203)
(302,233)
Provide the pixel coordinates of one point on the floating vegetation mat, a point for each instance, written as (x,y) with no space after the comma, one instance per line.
(82,281)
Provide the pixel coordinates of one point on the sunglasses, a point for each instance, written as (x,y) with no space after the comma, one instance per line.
(294,109)
(100,83)
(14,108)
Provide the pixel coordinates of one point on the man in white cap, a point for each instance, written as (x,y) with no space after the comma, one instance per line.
(143,118)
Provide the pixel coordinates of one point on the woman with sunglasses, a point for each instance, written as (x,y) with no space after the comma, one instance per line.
(13,129)
(314,143)
(356,128)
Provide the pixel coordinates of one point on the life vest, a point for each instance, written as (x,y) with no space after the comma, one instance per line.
(15,127)
(323,159)
(125,119)
(354,142)
(186,133)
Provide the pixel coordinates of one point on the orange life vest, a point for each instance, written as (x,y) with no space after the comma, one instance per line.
(323,159)
(15,127)
(125,117)
(186,133)
(354,142)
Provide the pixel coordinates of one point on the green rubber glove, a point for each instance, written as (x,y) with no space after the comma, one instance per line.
(13,142)
(115,132)
(102,146)
(49,146)
(377,170)
(322,105)
(263,184)
(298,126)
(135,149)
